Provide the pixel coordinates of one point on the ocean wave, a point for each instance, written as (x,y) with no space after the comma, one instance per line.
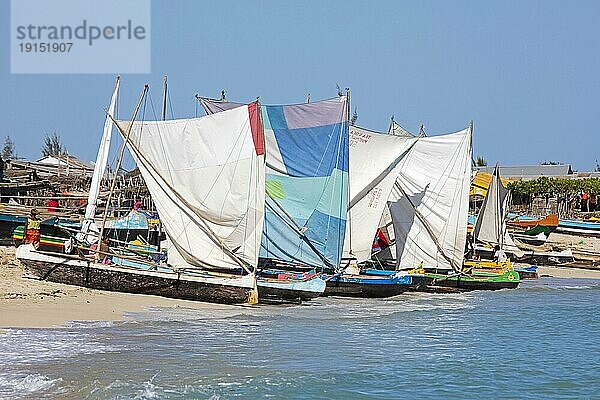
(149,390)
(89,324)
(555,287)
(22,346)
(15,386)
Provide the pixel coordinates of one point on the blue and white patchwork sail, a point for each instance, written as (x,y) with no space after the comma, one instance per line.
(306,180)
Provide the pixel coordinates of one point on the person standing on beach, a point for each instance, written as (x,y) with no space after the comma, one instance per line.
(585,202)
(32,229)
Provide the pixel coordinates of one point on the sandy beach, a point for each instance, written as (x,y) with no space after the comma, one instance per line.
(36,304)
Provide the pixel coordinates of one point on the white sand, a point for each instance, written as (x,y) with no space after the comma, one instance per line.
(37,304)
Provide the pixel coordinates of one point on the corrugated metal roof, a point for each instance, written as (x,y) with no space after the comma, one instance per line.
(530,171)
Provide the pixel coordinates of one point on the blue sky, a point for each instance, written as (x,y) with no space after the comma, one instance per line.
(526,72)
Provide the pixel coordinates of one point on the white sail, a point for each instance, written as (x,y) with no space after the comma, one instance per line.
(206,176)
(429,202)
(490,225)
(397,130)
(374,166)
(99,168)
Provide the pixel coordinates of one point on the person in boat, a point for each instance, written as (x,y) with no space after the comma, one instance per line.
(32,229)
(499,254)
(104,250)
(469,248)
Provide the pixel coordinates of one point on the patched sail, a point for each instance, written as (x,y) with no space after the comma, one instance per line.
(430,200)
(206,177)
(306,181)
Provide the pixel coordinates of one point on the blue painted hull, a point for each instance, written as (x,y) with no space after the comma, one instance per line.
(289,289)
(370,286)
(579,227)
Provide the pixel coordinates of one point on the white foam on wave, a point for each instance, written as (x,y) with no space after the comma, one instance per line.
(575,287)
(149,390)
(26,346)
(14,386)
(89,324)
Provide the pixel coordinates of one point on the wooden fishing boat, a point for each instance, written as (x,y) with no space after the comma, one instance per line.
(533,231)
(530,272)
(280,286)
(500,267)
(10,222)
(55,232)
(138,278)
(300,230)
(526,223)
(367,285)
(529,256)
(47,242)
(579,227)
(210,259)
(461,282)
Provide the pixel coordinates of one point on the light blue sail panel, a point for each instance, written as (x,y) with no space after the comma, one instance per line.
(307,199)
(306,181)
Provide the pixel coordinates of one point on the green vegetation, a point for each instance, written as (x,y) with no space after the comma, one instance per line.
(8,150)
(556,186)
(480,162)
(53,146)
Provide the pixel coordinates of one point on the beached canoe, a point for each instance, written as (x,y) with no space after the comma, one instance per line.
(138,278)
(281,286)
(579,227)
(526,223)
(367,285)
(473,281)
(530,272)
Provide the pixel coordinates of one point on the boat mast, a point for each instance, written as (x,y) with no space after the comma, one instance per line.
(500,208)
(99,168)
(164,102)
(350,252)
(114,181)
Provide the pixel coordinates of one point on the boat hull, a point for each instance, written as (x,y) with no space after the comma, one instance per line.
(366,286)
(185,286)
(528,273)
(578,227)
(274,290)
(465,283)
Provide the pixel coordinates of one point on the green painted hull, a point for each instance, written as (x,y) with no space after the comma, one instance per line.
(474,281)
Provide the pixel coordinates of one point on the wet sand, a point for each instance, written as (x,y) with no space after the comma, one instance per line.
(37,304)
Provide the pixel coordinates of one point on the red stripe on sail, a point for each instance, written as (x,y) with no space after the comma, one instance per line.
(257,128)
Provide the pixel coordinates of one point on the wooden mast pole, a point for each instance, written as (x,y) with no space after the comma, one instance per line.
(164,117)
(349,216)
(114,181)
(164,103)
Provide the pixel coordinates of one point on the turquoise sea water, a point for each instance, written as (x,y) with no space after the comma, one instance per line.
(539,341)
